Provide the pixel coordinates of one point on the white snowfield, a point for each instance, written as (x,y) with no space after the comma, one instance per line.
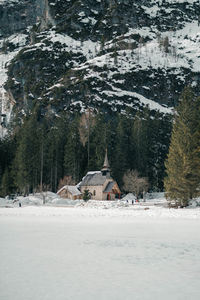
(99,250)
(94,209)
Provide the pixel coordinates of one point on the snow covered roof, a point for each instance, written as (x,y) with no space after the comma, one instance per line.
(72,189)
(109,187)
(129,196)
(93,178)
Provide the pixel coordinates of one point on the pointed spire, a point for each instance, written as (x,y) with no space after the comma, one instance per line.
(106,167)
(106,163)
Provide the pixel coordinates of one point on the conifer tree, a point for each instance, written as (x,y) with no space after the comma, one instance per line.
(6,183)
(7,152)
(73,152)
(26,166)
(98,143)
(183,163)
(55,151)
(141,138)
(122,145)
(86,195)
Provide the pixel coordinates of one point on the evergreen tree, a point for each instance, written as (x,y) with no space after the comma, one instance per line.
(7,152)
(73,152)
(49,147)
(98,143)
(159,131)
(26,167)
(86,195)
(150,141)
(121,156)
(183,163)
(141,134)
(6,183)
(55,150)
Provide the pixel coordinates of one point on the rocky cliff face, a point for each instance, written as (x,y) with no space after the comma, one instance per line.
(109,54)
(16,16)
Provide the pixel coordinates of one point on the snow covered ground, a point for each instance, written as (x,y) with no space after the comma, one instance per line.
(99,251)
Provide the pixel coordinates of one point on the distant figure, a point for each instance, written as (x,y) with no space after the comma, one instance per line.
(20,205)
(132,202)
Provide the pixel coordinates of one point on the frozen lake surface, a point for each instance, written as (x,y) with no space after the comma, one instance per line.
(50,253)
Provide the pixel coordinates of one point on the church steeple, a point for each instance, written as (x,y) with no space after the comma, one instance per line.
(106,167)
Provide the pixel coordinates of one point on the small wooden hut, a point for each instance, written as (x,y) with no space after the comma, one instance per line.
(70,192)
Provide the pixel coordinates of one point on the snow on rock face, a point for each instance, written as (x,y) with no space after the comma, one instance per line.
(9,1)
(128,53)
(16,42)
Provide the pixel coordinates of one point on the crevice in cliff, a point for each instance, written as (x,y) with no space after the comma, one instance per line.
(46,18)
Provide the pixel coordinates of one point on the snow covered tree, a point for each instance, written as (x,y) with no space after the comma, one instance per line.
(183,163)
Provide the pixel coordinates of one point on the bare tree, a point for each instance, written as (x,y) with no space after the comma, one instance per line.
(66,180)
(135,184)
(87,122)
(42,190)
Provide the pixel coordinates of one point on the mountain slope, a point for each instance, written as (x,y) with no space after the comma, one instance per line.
(115,54)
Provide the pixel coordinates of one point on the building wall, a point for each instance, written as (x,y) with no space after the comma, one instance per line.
(105,195)
(77,197)
(96,191)
(65,194)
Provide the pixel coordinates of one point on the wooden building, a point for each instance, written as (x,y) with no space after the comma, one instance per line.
(70,192)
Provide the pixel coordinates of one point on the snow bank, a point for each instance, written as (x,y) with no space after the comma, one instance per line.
(65,202)
(155,206)
(101,211)
(5,203)
(36,199)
